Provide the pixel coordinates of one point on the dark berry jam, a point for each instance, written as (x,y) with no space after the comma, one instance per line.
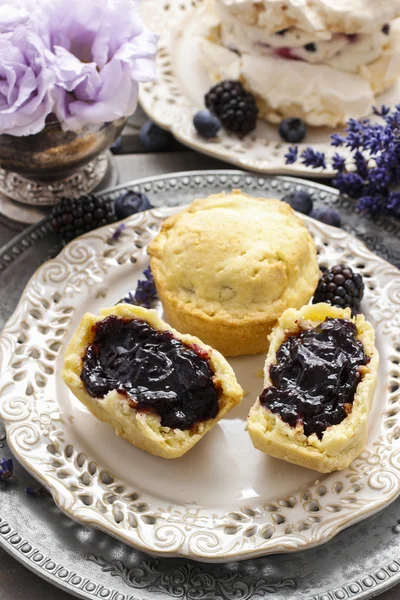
(285,52)
(316,376)
(157,372)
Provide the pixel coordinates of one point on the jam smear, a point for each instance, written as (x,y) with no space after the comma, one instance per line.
(285,52)
(157,372)
(316,376)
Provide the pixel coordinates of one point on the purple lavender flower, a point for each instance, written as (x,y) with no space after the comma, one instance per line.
(37,492)
(118,232)
(371,173)
(100,51)
(379,178)
(311,158)
(338,163)
(382,111)
(394,204)
(146,292)
(6,469)
(292,155)
(372,205)
(350,184)
(337,140)
(361,164)
(26,82)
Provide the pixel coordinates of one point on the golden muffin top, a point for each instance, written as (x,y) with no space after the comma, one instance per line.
(232,256)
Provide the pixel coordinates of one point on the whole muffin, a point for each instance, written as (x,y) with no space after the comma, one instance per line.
(229,265)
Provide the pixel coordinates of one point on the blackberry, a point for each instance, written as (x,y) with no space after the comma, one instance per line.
(340,286)
(236,109)
(73,216)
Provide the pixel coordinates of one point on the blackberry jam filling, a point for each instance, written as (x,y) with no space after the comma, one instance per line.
(157,372)
(316,376)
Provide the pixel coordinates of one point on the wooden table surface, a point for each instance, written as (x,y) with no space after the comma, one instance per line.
(16,582)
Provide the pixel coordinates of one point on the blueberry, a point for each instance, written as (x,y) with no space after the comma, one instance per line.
(155,139)
(130,203)
(300,201)
(327,215)
(310,47)
(117,146)
(292,130)
(206,124)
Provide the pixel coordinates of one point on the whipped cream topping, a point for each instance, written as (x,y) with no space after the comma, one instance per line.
(343,51)
(342,16)
(320,94)
(315,93)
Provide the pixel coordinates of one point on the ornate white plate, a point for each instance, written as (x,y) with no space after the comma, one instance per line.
(182,81)
(224,500)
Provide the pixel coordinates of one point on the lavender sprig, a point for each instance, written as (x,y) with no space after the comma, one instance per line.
(145,293)
(118,232)
(292,155)
(37,492)
(371,174)
(6,469)
(7,473)
(311,158)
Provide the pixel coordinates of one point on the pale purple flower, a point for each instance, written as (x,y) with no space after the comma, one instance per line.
(82,60)
(26,82)
(11,16)
(100,51)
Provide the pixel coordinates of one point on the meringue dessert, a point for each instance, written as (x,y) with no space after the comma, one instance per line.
(320,378)
(160,390)
(323,62)
(227,266)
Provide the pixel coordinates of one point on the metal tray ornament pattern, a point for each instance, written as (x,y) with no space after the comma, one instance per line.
(89,563)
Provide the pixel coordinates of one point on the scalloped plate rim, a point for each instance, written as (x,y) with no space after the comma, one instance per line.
(206,149)
(206,558)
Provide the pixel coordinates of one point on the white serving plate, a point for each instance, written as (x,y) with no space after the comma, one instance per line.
(224,500)
(182,81)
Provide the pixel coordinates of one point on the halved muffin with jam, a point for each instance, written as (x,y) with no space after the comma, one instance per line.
(320,378)
(160,390)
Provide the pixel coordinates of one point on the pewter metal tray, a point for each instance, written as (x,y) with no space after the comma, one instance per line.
(359,563)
